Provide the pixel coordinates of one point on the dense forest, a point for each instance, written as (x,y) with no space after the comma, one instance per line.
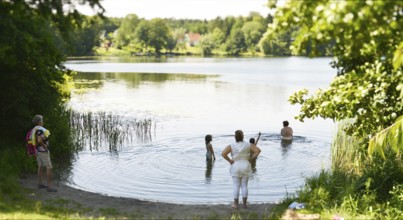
(220,36)
(137,36)
(365,98)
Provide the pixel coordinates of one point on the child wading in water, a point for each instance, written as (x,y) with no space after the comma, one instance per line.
(209,148)
(253,162)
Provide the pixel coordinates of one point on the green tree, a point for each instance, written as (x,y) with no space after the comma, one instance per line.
(365,37)
(236,43)
(126,32)
(218,22)
(255,16)
(142,34)
(190,25)
(33,46)
(207,44)
(159,34)
(278,43)
(274,46)
(89,33)
(218,36)
(171,43)
(252,31)
(32,51)
(229,22)
(239,21)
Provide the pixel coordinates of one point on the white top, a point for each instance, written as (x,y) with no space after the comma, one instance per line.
(240,153)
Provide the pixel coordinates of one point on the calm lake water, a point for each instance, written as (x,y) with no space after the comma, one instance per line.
(188,98)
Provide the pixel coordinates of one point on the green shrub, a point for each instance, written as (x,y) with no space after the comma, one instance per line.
(384,174)
(357,185)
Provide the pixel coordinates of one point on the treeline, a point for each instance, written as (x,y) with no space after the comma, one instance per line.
(137,36)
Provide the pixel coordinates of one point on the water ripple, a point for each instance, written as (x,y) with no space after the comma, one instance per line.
(174,170)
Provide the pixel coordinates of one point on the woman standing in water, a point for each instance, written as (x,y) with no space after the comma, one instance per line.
(241,155)
(209,148)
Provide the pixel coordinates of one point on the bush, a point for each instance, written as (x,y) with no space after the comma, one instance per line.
(359,187)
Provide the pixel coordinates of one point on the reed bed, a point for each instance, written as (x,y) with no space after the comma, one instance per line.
(100,130)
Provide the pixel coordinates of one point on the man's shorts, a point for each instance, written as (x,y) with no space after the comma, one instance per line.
(43,159)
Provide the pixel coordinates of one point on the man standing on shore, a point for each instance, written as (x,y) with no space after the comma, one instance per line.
(41,138)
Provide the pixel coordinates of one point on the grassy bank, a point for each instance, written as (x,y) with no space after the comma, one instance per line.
(357,186)
(14,204)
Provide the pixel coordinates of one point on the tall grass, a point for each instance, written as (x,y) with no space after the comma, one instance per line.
(357,186)
(97,130)
(347,152)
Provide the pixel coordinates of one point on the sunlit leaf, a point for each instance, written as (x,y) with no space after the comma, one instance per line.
(390,137)
(398,57)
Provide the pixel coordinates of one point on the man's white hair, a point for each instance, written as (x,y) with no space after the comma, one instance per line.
(37,119)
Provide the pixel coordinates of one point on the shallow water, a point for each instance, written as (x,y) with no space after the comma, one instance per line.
(189,98)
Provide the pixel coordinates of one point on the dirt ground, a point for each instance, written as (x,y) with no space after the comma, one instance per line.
(95,205)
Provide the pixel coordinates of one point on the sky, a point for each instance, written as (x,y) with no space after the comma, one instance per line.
(191,9)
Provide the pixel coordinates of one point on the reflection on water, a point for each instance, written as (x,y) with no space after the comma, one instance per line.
(253,165)
(285,147)
(285,143)
(209,169)
(187,98)
(87,80)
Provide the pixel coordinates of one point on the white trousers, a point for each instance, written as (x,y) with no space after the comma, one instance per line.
(240,182)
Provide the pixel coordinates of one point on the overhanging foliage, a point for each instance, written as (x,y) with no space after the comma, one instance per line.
(366,38)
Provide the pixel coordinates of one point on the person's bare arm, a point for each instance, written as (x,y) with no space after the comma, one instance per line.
(210,147)
(225,153)
(258,137)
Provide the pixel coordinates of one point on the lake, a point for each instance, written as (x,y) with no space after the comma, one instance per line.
(187,98)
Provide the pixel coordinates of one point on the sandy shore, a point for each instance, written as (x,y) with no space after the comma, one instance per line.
(96,205)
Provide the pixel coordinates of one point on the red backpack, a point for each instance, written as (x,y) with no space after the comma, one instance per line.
(29,142)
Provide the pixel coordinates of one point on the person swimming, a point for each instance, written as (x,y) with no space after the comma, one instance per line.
(286,131)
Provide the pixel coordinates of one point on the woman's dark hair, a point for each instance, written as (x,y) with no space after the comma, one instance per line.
(208,138)
(238,135)
(285,123)
(252,140)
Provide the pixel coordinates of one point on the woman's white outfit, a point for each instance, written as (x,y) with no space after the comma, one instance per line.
(241,169)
